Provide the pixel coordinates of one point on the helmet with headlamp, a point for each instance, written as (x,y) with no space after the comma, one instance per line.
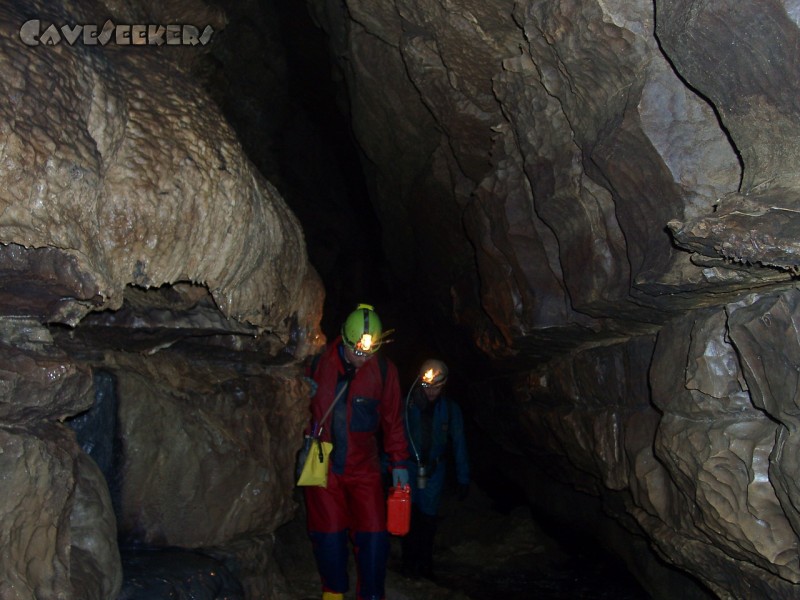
(362,329)
(433,373)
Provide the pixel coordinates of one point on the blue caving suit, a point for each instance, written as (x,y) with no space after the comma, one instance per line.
(437,431)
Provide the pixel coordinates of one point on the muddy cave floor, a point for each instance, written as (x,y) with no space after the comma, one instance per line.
(481,553)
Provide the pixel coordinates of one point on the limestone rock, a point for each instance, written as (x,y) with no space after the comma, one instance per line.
(598,434)
(764,331)
(749,52)
(116,159)
(719,449)
(37,381)
(130,214)
(94,556)
(208,452)
(564,137)
(757,229)
(60,534)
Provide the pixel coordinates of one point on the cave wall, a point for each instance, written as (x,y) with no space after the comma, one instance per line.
(137,240)
(604,194)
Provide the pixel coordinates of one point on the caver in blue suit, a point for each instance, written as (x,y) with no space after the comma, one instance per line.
(435,428)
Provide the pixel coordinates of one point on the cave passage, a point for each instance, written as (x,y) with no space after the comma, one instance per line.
(310,152)
(586,209)
(491,544)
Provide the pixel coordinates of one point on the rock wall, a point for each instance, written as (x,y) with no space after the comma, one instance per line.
(205,457)
(137,240)
(604,194)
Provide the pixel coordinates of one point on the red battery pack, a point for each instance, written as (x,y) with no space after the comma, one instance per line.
(398,510)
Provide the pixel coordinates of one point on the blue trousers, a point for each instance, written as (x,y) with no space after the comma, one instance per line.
(372,552)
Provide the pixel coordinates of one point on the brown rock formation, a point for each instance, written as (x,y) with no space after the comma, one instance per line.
(143,184)
(60,534)
(200,448)
(133,229)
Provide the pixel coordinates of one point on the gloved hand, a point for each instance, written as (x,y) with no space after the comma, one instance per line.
(463,491)
(399,477)
(301,458)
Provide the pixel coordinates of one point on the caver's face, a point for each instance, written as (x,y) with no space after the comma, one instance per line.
(432,392)
(354,359)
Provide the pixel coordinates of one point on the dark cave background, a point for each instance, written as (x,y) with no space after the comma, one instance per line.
(272,76)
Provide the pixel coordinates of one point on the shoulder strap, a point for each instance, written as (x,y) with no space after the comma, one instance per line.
(330,408)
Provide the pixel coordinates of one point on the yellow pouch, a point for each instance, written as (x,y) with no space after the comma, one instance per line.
(315,469)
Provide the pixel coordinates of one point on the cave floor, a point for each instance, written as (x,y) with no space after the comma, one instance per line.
(481,554)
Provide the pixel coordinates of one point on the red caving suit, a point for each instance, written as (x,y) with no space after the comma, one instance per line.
(354,503)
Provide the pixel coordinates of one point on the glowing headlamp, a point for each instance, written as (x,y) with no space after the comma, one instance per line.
(364,346)
(433,374)
(429,377)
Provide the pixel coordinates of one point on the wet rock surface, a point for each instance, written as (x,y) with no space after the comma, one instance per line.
(56,511)
(201,462)
(175,573)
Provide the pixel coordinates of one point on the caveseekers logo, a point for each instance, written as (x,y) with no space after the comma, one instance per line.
(32,34)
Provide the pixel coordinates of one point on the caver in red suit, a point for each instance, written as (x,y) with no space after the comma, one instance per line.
(353,505)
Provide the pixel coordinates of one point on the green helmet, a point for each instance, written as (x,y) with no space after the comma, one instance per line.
(362,330)
(433,373)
